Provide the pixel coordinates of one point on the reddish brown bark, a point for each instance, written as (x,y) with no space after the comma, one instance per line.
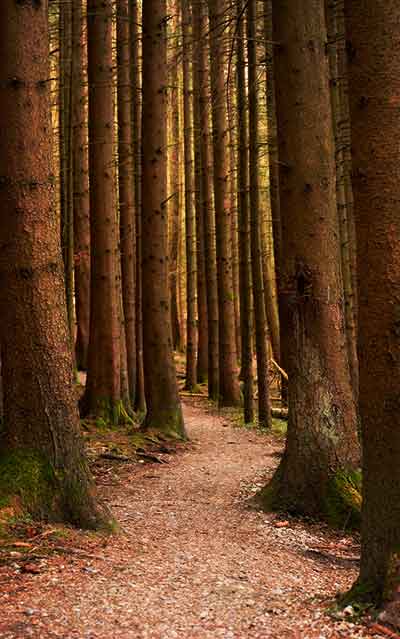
(40,434)
(126,194)
(81,189)
(134,20)
(322,437)
(374,81)
(190,221)
(229,392)
(103,387)
(163,405)
(246,324)
(201,55)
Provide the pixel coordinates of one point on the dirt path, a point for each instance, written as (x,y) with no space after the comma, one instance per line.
(191,561)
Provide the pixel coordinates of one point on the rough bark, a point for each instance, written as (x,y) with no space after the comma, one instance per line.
(201,29)
(322,439)
(80,189)
(126,193)
(163,405)
(229,392)
(42,462)
(246,324)
(190,220)
(374,81)
(134,19)
(103,386)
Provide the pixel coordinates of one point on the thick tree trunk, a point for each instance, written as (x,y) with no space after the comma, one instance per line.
(322,439)
(201,28)
(163,405)
(374,62)
(126,194)
(246,324)
(42,462)
(103,387)
(81,190)
(260,319)
(229,392)
(190,220)
(202,341)
(134,19)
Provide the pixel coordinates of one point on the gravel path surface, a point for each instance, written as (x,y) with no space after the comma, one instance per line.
(192,561)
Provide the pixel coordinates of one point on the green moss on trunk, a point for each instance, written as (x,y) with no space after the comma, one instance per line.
(168,422)
(27,477)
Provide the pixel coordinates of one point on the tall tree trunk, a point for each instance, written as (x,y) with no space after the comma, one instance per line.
(66,158)
(190,221)
(260,319)
(229,392)
(42,462)
(126,194)
(374,62)
(174,199)
(200,38)
(103,387)
(134,19)
(80,189)
(246,325)
(322,440)
(202,341)
(163,405)
(341,191)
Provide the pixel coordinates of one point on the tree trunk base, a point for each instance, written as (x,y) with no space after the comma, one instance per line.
(167,422)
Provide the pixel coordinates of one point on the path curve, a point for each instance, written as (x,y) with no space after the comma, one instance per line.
(191,561)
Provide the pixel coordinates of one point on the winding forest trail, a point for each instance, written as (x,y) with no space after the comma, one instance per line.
(191,560)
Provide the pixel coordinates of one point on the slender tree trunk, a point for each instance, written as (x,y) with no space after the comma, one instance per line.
(260,319)
(81,190)
(66,158)
(174,202)
(374,62)
(202,342)
(42,462)
(163,405)
(229,392)
(341,192)
(126,193)
(246,325)
(134,19)
(103,387)
(190,220)
(322,441)
(201,28)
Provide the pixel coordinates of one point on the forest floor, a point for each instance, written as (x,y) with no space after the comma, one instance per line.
(191,560)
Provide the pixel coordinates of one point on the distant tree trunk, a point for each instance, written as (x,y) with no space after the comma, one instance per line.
(260,319)
(202,334)
(322,440)
(229,392)
(341,191)
(66,158)
(42,462)
(80,190)
(103,387)
(374,81)
(201,26)
(190,221)
(174,203)
(246,324)
(163,405)
(126,194)
(134,19)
